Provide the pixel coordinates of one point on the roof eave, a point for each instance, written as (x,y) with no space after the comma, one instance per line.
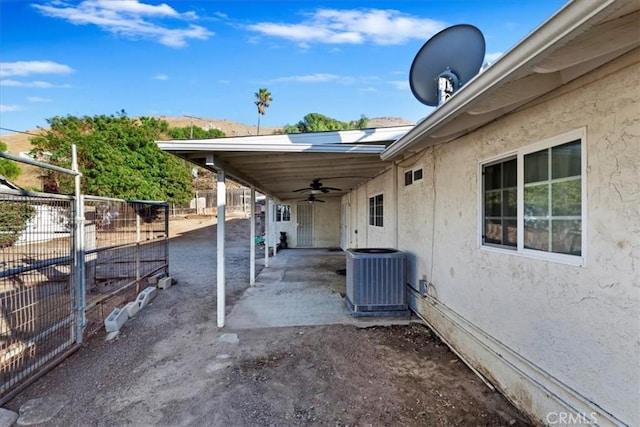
(224,146)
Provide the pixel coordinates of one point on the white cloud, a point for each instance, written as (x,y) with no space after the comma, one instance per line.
(25,68)
(161,77)
(38,99)
(309,78)
(37,83)
(133,7)
(129,18)
(401,84)
(9,108)
(323,78)
(333,26)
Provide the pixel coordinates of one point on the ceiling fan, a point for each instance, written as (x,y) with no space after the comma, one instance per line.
(311,199)
(316,187)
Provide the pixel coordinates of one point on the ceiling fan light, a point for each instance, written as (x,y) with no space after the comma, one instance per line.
(316,191)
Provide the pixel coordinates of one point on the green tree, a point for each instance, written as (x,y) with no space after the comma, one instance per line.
(8,168)
(316,122)
(117,156)
(263,101)
(13,220)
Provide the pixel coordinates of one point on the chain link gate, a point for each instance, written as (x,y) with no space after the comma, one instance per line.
(65,263)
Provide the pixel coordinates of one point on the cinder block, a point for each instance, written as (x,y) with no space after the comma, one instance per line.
(132,308)
(146,296)
(115,320)
(155,278)
(165,283)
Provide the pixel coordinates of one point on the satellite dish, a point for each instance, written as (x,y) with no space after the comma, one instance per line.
(445,63)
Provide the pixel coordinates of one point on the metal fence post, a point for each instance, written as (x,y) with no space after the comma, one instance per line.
(78,253)
(166,237)
(137,210)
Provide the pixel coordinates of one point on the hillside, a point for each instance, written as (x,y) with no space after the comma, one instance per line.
(30,177)
(238,129)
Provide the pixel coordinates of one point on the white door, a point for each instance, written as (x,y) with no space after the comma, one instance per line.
(305,225)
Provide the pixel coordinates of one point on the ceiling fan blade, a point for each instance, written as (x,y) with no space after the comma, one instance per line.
(301,189)
(332,188)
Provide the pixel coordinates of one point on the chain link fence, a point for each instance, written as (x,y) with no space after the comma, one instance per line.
(204,202)
(45,306)
(37,313)
(126,242)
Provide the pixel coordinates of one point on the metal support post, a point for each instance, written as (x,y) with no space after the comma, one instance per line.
(222,199)
(252,253)
(267,229)
(272,218)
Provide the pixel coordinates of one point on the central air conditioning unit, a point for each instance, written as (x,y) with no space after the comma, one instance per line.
(376,279)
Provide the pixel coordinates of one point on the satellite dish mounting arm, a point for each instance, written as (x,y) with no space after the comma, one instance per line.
(448,83)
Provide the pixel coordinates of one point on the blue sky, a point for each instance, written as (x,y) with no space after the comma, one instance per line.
(208,58)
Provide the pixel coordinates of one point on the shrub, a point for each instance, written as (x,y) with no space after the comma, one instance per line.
(13,220)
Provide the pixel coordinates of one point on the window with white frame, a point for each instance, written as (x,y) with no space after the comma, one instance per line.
(532,200)
(283,213)
(500,203)
(376,210)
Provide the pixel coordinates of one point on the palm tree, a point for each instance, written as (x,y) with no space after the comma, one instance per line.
(263,98)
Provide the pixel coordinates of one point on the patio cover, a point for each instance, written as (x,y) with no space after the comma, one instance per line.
(276,165)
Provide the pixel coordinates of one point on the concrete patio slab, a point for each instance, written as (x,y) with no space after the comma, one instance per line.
(301,287)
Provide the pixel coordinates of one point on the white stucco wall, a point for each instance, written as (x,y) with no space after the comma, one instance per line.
(574,330)
(415,216)
(326,223)
(362,234)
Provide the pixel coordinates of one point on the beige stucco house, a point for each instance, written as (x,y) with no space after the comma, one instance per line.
(517,203)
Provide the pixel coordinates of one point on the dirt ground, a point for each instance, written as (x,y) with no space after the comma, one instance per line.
(171,365)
